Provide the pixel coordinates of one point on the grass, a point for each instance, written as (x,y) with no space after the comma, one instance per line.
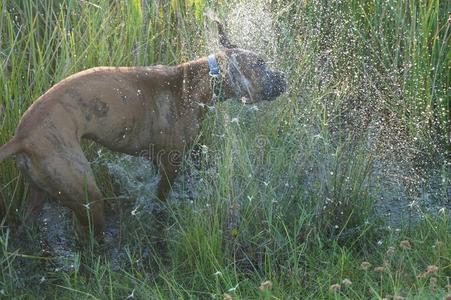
(288,193)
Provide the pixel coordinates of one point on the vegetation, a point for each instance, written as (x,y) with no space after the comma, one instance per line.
(288,199)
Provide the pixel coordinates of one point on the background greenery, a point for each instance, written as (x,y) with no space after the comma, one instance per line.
(290,191)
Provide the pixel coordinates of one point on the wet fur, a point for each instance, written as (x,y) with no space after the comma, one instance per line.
(150,111)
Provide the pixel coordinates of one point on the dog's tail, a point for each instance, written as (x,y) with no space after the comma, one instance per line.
(9,149)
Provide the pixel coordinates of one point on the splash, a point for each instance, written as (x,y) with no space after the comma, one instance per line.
(249,24)
(252,27)
(136,178)
(396,181)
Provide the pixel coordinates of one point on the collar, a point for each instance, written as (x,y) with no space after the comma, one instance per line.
(216,79)
(213,66)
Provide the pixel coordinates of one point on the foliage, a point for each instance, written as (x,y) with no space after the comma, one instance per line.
(286,191)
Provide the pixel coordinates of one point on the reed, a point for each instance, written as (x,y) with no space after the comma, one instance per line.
(285,201)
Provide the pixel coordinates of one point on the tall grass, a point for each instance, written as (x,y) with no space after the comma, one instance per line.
(285,192)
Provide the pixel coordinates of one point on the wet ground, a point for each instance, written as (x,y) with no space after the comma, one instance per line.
(137,182)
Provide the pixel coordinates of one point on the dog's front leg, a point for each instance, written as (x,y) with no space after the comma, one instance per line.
(168,166)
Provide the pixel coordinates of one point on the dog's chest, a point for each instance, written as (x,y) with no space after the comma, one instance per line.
(164,112)
(169,123)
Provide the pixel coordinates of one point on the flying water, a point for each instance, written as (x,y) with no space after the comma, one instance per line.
(401,188)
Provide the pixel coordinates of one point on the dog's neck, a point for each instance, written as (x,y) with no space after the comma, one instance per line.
(197,82)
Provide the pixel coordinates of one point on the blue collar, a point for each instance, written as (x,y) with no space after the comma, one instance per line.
(214,67)
(216,79)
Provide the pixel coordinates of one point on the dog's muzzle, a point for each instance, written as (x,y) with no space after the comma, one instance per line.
(275,85)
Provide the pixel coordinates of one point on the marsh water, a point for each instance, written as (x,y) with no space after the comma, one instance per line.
(402,191)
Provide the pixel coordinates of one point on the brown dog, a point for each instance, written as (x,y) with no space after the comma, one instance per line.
(128,110)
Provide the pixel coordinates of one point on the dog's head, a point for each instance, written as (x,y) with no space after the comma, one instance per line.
(247,75)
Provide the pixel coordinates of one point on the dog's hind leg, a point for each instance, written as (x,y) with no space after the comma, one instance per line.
(35,201)
(68,177)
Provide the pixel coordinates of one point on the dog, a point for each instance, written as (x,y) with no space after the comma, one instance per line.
(128,110)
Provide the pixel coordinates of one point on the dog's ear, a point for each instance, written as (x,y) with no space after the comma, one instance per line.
(223,38)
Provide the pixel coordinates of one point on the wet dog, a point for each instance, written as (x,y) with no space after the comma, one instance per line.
(128,110)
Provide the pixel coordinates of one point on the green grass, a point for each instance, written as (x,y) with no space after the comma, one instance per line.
(286,194)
